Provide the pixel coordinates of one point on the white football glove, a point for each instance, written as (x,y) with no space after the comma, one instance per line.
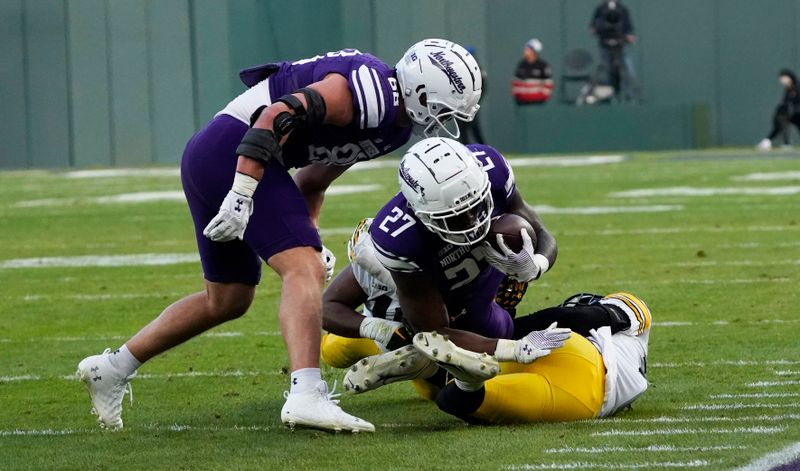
(535,345)
(523,266)
(231,221)
(380,330)
(329,260)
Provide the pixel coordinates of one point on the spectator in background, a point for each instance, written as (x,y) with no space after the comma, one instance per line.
(787,112)
(533,82)
(471,131)
(612,25)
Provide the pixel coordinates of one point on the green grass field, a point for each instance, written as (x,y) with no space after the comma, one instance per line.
(718,262)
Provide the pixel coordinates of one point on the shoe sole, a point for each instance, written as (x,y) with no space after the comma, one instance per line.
(371,372)
(294,425)
(465,365)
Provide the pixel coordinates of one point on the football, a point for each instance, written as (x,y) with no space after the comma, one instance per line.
(510,225)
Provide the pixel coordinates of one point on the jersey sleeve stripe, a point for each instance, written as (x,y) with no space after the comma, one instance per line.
(359,96)
(369,112)
(394,262)
(381,103)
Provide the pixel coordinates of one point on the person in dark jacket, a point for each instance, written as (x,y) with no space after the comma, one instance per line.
(533,80)
(786,113)
(612,25)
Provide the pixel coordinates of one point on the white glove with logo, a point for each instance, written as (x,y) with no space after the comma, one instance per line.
(523,266)
(380,330)
(329,260)
(535,345)
(231,221)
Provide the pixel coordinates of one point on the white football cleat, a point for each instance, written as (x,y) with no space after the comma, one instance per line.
(467,366)
(403,364)
(317,408)
(765,144)
(107,386)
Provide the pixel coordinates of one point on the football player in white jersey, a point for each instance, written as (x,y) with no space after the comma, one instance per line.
(595,374)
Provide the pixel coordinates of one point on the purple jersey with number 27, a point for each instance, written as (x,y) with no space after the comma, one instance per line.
(467,282)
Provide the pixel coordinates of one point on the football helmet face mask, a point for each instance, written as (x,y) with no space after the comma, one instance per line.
(447,190)
(441,84)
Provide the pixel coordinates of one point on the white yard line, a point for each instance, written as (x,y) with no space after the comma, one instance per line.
(144,259)
(701,419)
(125,172)
(691,431)
(638,449)
(695,191)
(740,405)
(768,176)
(775,459)
(761,384)
(752,395)
(703,364)
(189,374)
(590,465)
(174,195)
(592,210)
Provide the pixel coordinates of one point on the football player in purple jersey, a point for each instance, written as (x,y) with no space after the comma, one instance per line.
(431,238)
(319,115)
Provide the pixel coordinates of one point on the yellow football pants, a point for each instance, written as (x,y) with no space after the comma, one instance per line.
(343,352)
(568,384)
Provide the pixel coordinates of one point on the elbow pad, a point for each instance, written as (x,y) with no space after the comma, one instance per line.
(260,144)
(313,114)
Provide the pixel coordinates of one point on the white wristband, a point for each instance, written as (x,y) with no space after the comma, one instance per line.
(504,351)
(542,262)
(244,184)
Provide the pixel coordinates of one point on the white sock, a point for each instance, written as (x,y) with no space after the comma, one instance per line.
(305,379)
(469,387)
(124,360)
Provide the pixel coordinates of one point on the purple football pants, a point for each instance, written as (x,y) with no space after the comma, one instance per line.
(280,219)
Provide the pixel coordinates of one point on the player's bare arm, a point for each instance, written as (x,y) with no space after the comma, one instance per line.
(424,308)
(313,180)
(338,111)
(339,301)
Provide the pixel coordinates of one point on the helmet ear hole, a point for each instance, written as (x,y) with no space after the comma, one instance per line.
(423,99)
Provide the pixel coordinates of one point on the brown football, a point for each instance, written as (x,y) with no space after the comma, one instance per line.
(510,226)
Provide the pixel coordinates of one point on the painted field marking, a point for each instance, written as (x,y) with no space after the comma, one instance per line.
(790,454)
(701,419)
(691,431)
(740,405)
(768,176)
(761,384)
(590,465)
(592,210)
(125,172)
(752,395)
(189,374)
(684,230)
(174,196)
(787,373)
(144,259)
(650,448)
(695,191)
(734,263)
(702,364)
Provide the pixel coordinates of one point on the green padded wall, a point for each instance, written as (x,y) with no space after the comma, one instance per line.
(117,82)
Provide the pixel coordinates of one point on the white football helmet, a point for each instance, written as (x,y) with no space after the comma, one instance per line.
(447,189)
(440,83)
